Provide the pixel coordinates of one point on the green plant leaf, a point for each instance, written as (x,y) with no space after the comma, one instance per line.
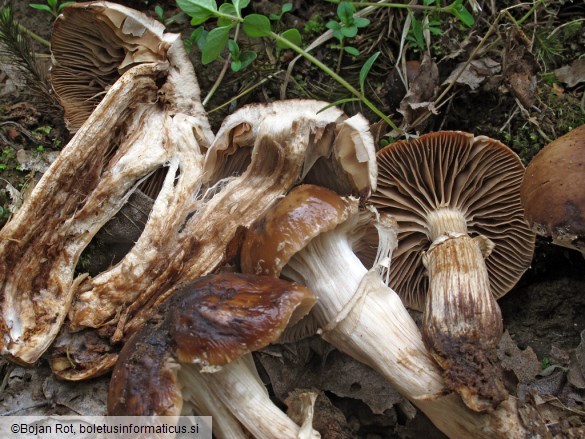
(416,29)
(64,5)
(41,7)
(234,49)
(198,10)
(459,10)
(160,12)
(247,57)
(287,7)
(236,65)
(365,70)
(333,25)
(52,4)
(345,11)
(256,25)
(361,22)
(349,31)
(292,35)
(351,50)
(227,9)
(216,42)
(240,4)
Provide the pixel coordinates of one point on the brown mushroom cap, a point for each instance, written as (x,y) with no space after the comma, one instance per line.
(212,321)
(304,213)
(476,176)
(220,318)
(144,381)
(552,191)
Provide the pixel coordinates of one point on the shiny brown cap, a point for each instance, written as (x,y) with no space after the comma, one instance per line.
(144,381)
(477,176)
(212,321)
(552,191)
(220,318)
(306,212)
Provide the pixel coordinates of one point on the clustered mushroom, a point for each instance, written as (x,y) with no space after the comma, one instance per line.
(284,185)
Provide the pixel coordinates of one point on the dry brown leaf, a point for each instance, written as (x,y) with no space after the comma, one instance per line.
(524,363)
(520,67)
(475,73)
(298,365)
(573,73)
(576,374)
(421,93)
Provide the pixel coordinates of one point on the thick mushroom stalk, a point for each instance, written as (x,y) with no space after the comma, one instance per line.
(199,336)
(313,237)
(463,242)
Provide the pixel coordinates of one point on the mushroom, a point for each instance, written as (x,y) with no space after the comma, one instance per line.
(552,191)
(121,143)
(313,236)
(200,336)
(456,200)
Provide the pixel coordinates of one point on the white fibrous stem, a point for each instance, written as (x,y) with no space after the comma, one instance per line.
(462,322)
(348,293)
(239,388)
(361,316)
(198,396)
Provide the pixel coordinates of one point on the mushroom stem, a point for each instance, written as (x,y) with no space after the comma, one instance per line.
(372,325)
(362,316)
(445,220)
(238,387)
(198,394)
(463,334)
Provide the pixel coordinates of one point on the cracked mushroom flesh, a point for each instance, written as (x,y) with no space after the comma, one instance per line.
(196,343)
(552,190)
(463,243)
(121,143)
(313,236)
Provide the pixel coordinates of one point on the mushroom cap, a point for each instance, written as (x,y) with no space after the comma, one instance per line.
(144,381)
(92,45)
(211,321)
(340,152)
(219,318)
(477,176)
(552,191)
(306,212)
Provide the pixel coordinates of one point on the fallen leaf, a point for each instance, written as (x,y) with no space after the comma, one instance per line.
(421,94)
(524,363)
(300,365)
(576,374)
(572,74)
(474,73)
(520,67)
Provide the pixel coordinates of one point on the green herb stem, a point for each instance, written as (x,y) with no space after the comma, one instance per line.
(336,77)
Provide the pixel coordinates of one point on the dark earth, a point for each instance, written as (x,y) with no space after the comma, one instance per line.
(543,348)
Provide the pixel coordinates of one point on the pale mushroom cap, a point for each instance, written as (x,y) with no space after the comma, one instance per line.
(340,151)
(476,176)
(552,191)
(92,44)
(306,212)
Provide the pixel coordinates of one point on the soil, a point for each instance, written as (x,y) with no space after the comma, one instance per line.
(544,315)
